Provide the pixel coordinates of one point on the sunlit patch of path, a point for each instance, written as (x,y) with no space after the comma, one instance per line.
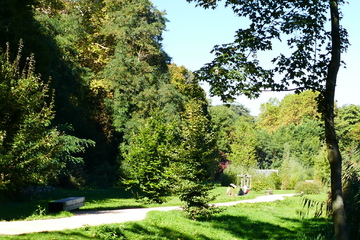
(94,218)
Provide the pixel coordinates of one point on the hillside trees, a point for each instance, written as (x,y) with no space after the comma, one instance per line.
(292,109)
(51,30)
(311,63)
(224,119)
(136,71)
(106,65)
(173,150)
(292,122)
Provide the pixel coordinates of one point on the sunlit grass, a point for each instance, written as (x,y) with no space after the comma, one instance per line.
(273,220)
(96,199)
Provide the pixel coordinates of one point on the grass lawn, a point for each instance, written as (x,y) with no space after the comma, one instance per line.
(273,220)
(96,199)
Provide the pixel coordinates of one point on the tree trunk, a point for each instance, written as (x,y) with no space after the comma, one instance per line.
(334,155)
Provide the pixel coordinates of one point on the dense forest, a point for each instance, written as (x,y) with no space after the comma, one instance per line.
(88,98)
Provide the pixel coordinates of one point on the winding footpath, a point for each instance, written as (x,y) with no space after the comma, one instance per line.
(94,218)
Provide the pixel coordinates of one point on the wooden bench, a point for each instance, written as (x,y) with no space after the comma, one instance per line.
(269,192)
(66,204)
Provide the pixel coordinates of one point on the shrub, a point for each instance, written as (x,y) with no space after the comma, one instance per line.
(196,198)
(230,175)
(109,232)
(351,192)
(305,187)
(275,180)
(291,173)
(261,182)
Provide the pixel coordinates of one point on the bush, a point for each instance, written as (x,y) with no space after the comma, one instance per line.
(351,192)
(109,232)
(291,173)
(261,182)
(275,180)
(313,187)
(196,200)
(230,175)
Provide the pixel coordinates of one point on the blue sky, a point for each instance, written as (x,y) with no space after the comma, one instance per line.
(192,33)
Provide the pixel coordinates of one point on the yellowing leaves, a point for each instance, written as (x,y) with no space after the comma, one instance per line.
(294,108)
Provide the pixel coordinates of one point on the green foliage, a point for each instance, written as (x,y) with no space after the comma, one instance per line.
(31,151)
(275,180)
(292,123)
(134,72)
(351,178)
(196,199)
(347,125)
(302,143)
(261,182)
(292,109)
(28,146)
(243,145)
(230,174)
(222,120)
(321,166)
(109,232)
(291,172)
(305,187)
(198,149)
(147,157)
(196,162)
(72,173)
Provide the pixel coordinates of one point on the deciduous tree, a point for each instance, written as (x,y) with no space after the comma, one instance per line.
(311,63)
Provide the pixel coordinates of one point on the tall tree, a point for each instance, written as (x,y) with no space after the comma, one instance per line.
(31,151)
(147,157)
(196,161)
(243,146)
(134,72)
(312,63)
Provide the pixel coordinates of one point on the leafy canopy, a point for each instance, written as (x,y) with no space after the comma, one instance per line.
(302,25)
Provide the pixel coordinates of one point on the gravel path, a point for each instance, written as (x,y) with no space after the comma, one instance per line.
(94,218)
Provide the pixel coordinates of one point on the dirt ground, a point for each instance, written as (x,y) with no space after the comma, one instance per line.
(94,218)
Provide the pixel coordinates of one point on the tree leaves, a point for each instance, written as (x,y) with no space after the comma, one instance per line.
(300,25)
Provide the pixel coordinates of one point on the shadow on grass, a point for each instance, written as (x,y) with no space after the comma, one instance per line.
(231,227)
(235,227)
(163,233)
(312,227)
(29,205)
(245,228)
(70,234)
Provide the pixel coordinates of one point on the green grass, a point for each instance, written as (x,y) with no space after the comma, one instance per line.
(96,199)
(274,220)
